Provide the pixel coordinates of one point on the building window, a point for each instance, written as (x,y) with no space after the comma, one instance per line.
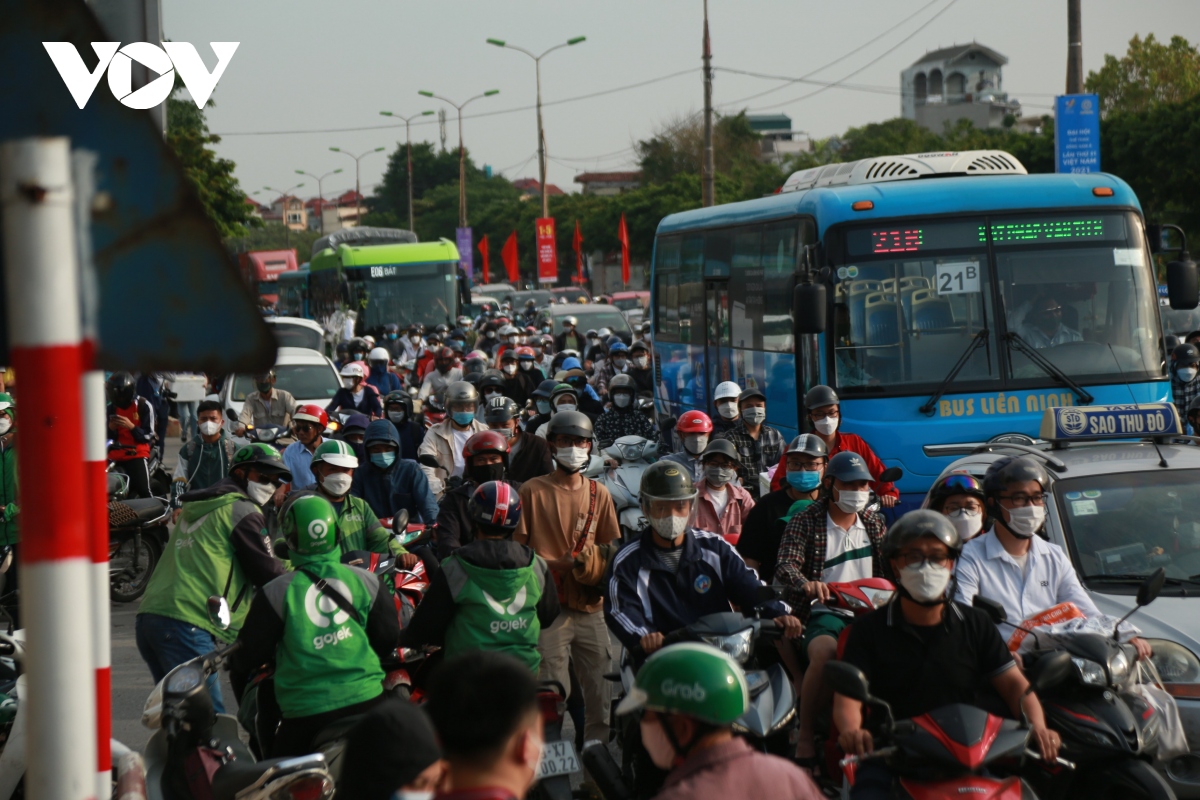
(935,83)
(956,84)
(293,218)
(919,87)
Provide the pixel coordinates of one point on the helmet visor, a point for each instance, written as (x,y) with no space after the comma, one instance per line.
(663,507)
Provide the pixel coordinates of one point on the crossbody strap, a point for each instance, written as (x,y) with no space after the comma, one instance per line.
(587,528)
(333,594)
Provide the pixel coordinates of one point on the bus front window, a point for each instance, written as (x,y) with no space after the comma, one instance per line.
(404,294)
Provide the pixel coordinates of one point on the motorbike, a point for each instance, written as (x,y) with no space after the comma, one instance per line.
(433,411)
(952,751)
(271,434)
(137,535)
(1110,730)
(160,481)
(195,752)
(630,456)
(559,760)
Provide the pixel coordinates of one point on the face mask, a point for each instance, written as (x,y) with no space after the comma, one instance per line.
(966,523)
(509,369)
(641,362)
(852,502)
(1024,522)
(719,476)
(925,582)
(527,365)
(543,406)
(657,745)
(263,388)
(489,395)
(512,339)
(206,428)
(337,484)
(383,460)
(358,357)
(412,795)
(392,336)
(695,443)
(349,383)
(397,417)
(754,415)
(595,340)
(414,339)
(804,481)
(463,418)
(571,459)
(620,363)
(671,527)
(1187,374)
(826,426)
(727,410)
(561,407)
(260,493)
(622,400)
(491,334)
(487,472)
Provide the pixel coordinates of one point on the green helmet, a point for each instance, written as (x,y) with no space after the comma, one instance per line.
(310,526)
(263,458)
(336,452)
(8,405)
(696,680)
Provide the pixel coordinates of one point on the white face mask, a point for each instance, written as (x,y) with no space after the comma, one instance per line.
(509,369)
(1187,374)
(754,415)
(925,582)
(260,493)
(621,400)
(1025,521)
(571,459)
(671,527)
(695,443)
(207,428)
(851,501)
(337,484)
(967,523)
(641,362)
(6,424)
(527,365)
(565,407)
(727,410)
(826,426)
(349,383)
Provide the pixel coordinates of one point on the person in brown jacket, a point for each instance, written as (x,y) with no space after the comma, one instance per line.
(564,513)
(528,455)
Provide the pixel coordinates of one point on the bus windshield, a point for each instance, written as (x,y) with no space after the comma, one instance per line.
(913,298)
(403,294)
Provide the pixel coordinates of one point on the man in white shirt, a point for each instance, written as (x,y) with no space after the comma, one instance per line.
(1011,564)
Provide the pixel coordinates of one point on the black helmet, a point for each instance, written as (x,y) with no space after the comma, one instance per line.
(342,348)
(474,365)
(435,403)
(491,379)
(1194,405)
(820,396)
(545,388)
(1185,353)
(808,444)
(570,423)
(640,344)
(1013,469)
(401,398)
(442,327)
(622,382)
(473,378)
(120,388)
(667,480)
(750,394)
(499,410)
(722,447)
(916,525)
(952,484)
(460,392)
(848,466)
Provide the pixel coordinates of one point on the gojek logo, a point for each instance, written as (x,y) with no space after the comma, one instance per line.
(119,63)
(508,609)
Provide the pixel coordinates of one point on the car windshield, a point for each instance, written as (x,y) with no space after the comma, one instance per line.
(599,319)
(539,296)
(291,335)
(302,381)
(627,303)
(1132,523)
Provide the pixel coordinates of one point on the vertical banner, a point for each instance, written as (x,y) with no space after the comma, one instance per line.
(577,246)
(1077,133)
(483,251)
(547,251)
(509,256)
(623,238)
(466,247)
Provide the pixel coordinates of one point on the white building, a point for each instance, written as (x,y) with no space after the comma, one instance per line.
(953,83)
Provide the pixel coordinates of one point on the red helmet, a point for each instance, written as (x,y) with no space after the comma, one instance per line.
(524,352)
(310,412)
(445,353)
(486,442)
(694,422)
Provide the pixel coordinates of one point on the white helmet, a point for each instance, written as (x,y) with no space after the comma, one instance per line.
(604,333)
(726,389)
(378,354)
(369,340)
(353,370)
(570,320)
(509,330)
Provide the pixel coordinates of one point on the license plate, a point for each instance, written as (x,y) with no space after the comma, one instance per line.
(558,758)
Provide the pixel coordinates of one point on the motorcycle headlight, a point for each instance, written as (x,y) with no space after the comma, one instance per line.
(1090,672)
(736,646)
(879,597)
(1118,666)
(266,435)
(1176,664)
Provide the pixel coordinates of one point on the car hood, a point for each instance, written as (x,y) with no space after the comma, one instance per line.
(1173,618)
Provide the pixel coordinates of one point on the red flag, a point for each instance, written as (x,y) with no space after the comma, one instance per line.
(483,251)
(623,238)
(509,256)
(578,246)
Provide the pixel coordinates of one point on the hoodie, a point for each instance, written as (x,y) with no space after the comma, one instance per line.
(384,380)
(589,401)
(402,485)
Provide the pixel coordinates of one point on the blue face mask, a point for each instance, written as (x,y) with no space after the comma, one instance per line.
(383,460)
(392,335)
(543,406)
(804,481)
(463,418)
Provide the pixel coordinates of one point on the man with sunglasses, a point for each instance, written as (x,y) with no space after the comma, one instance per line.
(1044,326)
(309,423)
(1010,563)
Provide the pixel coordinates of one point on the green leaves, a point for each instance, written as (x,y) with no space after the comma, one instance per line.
(211,177)
(1148,75)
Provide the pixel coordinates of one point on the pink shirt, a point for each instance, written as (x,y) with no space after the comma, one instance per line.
(736,510)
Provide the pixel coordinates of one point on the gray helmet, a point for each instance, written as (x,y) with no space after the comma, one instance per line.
(622,382)
(570,423)
(848,466)
(809,445)
(1185,353)
(917,525)
(723,447)
(493,378)
(820,396)
(499,410)
(1013,469)
(461,392)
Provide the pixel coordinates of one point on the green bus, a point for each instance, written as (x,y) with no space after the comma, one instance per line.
(390,282)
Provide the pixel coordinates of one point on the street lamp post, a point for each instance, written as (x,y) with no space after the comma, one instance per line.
(462,168)
(541,132)
(283,194)
(320,192)
(408,142)
(357,190)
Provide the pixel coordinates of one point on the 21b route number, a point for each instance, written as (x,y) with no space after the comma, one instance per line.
(960,277)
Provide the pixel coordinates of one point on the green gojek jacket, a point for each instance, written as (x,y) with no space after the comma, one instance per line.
(9,531)
(495,609)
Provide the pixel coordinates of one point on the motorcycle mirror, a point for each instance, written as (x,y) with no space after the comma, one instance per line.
(994,610)
(891,475)
(1151,587)
(427,460)
(1049,671)
(847,679)
(400,521)
(231,415)
(218,612)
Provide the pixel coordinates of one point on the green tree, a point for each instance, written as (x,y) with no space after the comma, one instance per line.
(431,169)
(1148,75)
(211,177)
(274,237)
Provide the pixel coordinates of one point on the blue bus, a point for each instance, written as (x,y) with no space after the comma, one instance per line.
(949,298)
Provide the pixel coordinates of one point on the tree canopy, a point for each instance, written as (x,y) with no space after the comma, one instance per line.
(211,177)
(1150,74)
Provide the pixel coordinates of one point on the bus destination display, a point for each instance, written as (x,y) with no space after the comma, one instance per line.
(973,234)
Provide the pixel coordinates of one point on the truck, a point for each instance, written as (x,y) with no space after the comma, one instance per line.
(262,268)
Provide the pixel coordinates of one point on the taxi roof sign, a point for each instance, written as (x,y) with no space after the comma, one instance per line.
(1067,423)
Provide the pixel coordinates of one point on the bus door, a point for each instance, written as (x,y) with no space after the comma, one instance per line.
(717,339)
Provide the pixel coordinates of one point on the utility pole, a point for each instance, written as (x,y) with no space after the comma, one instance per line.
(408,140)
(1074,47)
(707,188)
(462,153)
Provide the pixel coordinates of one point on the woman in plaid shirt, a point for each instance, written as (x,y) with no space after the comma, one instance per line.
(833,540)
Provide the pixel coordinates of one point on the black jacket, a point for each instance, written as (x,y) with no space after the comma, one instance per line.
(454,527)
(532,459)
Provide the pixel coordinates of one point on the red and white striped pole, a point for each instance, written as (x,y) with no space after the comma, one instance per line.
(96,455)
(42,282)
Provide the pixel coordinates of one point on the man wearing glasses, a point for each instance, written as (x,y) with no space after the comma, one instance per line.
(309,423)
(1044,327)
(1010,563)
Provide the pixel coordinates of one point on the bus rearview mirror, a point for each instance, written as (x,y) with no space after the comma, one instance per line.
(1182,287)
(808,308)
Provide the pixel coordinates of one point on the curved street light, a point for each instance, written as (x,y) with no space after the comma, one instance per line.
(462,169)
(408,141)
(283,195)
(357,190)
(320,191)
